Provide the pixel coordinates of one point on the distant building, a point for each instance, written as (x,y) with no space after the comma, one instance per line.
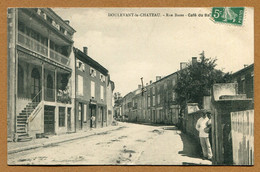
(39,73)
(245,80)
(156,104)
(94,93)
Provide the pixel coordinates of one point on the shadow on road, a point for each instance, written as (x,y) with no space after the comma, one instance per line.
(191,147)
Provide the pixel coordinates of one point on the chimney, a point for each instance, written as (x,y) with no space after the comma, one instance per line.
(146,84)
(183,65)
(158,78)
(245,65)
(139,86)
(151,81)
(85,50)
(67,22)
(194,60)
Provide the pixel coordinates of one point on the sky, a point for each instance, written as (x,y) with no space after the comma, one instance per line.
(135,47)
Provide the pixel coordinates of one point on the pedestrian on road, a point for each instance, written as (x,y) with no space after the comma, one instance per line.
(93,120)
(204,136)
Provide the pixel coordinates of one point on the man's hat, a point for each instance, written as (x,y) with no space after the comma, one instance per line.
(205,111)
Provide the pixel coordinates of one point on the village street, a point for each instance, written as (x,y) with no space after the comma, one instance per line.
(124,144)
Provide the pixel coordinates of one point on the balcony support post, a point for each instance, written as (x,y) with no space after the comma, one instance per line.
(49,43)
(55,85)
(43,82)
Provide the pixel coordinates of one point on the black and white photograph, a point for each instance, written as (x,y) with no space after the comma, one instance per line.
(130,86)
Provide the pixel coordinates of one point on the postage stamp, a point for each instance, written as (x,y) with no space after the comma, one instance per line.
(230,15)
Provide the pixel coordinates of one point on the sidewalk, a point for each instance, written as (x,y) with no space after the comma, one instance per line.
(14,147)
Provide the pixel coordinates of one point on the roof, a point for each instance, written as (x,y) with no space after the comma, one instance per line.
(85,58)
(64,23)
(243,70)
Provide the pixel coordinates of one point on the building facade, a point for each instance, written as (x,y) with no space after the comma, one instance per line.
(94,93)
(40,66)
(245,80)
(155,105)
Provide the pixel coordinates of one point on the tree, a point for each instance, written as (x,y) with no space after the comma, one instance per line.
(195,81)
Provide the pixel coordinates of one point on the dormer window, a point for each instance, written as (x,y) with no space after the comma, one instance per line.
(102,78)
(39,11)
(92,72)
(44,16)
(80,65)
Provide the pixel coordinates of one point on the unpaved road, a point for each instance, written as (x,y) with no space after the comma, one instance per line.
(130,144)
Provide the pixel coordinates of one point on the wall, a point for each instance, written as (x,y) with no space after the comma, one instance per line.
(110,111)
(224,89)
(36,125)
(87,78)
(190,126)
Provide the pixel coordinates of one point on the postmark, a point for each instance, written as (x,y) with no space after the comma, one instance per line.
(229,15)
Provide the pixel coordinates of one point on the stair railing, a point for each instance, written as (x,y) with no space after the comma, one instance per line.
(34,100)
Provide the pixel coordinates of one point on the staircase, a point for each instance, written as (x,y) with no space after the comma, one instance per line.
(21,122)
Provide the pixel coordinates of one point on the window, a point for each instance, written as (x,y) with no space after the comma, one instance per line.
(80,65)
(102,78)
(165,86)
(173,82)
(153,90)
(92,72)
(153,100)
(173,95)
(159,97)
(92,89)
(61,116)
(101,92)
(149,101)
(80,85)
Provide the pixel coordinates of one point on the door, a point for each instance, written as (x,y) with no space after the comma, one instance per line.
(154,116)
(35,85)
(49,113)
(102,116)
(69,119)
(80,114)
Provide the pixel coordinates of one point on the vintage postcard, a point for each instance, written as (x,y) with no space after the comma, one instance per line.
(130,86)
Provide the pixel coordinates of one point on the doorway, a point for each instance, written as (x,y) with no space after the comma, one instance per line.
(69,119)
(154,116)
(49,113)
(102,116)
(36,85)
(93,113)
(80,114)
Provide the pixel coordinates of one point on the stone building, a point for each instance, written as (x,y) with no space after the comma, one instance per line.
(94,93)
(40,66)
(155,105)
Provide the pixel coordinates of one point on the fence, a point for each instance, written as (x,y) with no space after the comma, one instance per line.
(242,130)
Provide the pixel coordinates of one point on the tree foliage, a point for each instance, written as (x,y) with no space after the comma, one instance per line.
(195,81)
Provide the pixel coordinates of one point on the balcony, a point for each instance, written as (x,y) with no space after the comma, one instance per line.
(32,44)
(62,96)
(41,49)
(59,58)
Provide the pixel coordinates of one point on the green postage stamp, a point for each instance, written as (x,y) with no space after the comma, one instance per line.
(230,15)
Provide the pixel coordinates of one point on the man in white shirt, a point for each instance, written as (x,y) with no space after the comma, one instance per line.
(204,137)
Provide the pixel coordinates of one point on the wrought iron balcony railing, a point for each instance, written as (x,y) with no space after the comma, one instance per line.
(34,45)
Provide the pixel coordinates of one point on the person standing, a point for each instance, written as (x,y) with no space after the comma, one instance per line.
(93,120)
(204,136)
